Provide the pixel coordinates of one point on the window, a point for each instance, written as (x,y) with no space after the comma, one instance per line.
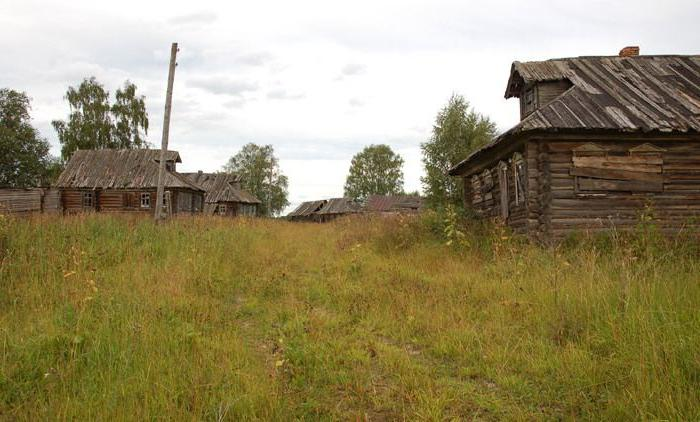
(247,210)
(519,178)
(222,209)
(476,189)
(87,200)
(599,172)
(503,188)
(145,200)
(529,96)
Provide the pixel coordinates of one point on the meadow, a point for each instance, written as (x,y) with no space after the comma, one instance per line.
(114,318)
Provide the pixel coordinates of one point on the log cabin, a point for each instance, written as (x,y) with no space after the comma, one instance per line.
(600,140)
(109,180)
(224,195)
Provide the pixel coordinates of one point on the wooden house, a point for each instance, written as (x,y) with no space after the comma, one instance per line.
(600,139)
(125,181)
(224,195)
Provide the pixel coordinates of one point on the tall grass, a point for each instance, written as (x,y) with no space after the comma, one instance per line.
(108,317)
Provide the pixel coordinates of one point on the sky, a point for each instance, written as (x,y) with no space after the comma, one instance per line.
(318,80)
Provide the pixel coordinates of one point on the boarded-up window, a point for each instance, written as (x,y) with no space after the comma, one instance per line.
(184,201)
(476,190)
(597,171)
(246,210)
(519,178)
(503,188)
(486,185)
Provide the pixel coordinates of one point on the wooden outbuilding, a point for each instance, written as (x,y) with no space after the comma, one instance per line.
(125,181)
(30,200)
(600,140)
(337,207)
(306,211)
(224,195)
(393,204)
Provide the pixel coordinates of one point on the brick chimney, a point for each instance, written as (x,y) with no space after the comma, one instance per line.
(629,51)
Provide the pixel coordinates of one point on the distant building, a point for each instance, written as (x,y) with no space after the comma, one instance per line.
(306,211)
(337,207)
(329,209)
(125,181)
(600,139)
(224,195)
(393,204)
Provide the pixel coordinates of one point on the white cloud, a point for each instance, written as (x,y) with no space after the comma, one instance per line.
(281,94)
(352,69)
(222,85)
(197,18)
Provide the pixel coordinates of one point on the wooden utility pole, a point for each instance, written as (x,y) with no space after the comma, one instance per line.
(166,130)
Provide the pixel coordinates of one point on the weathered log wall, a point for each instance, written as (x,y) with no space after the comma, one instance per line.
(486,197)
(24,201)
(613,186)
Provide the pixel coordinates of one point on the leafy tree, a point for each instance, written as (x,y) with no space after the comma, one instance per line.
(24,154)
(376,170)
(259,170)
(458,131)
(94,124)
(130,118)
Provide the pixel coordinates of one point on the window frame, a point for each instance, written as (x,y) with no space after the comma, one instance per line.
(88,199)
(477,197)
(519,172)
(145,200)
(503,189)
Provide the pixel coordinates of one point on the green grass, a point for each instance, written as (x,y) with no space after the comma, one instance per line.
(111,318)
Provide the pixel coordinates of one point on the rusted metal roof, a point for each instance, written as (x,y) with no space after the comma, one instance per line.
(393,203)
(339,206)
(623,94)
(120,169)
(221,187)
(307,208)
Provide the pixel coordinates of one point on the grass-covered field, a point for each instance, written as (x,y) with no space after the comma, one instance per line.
(110,318)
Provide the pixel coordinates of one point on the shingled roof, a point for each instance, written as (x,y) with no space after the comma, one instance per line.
(120,169)
(623,94)
(221,187)
(306,209)
(393,203)
(339,206)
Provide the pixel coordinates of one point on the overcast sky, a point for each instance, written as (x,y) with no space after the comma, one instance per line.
(318,80)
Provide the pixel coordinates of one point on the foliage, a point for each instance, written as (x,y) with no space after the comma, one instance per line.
(94,124)
(452,231)
(24,154)
(376,170)
(259,169)
(130,117)
(458,131)
(356,319)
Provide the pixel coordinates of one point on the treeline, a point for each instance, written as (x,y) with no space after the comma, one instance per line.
(458,131)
